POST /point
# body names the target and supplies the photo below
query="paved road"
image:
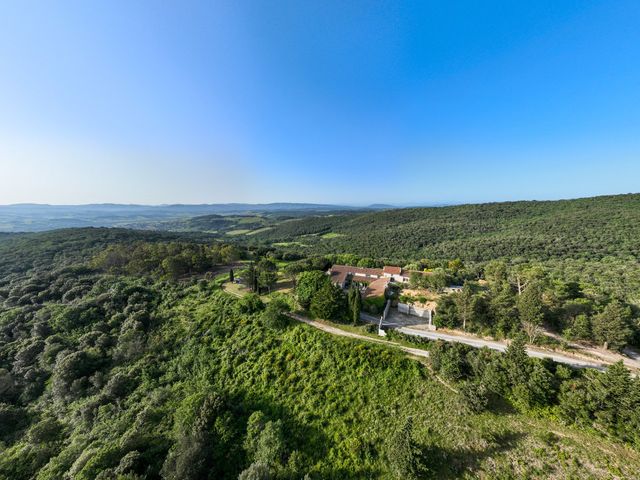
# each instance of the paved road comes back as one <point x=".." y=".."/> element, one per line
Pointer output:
<point x="405" y="323"/>
<point x="478" y="343"/>
<point x="501" y="347"/>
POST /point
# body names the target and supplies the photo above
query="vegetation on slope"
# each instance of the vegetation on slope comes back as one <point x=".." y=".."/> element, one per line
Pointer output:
<point x="591" y="239"/>
<point x="591" y="228"/>
<point x="124" y="375"/>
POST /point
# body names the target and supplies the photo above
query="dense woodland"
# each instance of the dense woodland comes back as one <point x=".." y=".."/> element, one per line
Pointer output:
<point x="591" y="228"/>
<point x="122" y="358"/>
<point x="592" y="240"/>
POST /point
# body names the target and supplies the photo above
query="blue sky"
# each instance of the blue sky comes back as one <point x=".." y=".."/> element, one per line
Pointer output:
<point x="330" y="101"/>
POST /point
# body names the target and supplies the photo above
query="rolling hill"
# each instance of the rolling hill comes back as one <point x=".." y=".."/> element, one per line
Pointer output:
<point x="591" y="228"/>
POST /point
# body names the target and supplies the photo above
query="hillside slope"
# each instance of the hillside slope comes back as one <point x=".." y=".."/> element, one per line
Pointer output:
<point x="132" y="377"/>
<point x="591" y="227"/>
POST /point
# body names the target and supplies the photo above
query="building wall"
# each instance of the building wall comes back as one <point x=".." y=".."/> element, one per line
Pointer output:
<point x="415" y="311"/>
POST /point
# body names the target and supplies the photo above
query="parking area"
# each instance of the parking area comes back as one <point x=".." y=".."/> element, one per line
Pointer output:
<point x="395" y="319"/>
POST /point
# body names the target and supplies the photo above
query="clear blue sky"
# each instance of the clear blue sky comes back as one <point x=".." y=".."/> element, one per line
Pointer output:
<point x="328" y="101"/>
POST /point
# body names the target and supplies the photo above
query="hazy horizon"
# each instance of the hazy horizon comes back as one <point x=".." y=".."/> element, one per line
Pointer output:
<point x="328" y="204"/>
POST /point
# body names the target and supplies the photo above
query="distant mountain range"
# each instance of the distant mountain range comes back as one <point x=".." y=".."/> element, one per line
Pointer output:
<point x="28" y="217"/>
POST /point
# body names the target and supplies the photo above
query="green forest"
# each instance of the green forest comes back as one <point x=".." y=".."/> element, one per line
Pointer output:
<point x="121" y="357"/>
<point x="591" y="240"/>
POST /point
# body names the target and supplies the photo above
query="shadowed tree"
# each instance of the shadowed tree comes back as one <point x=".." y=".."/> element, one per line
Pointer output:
<point x="405" y="455"/>
<point x="328" y="303"/>
<point x="611" y="327"/>
<point x="308" y="284"/>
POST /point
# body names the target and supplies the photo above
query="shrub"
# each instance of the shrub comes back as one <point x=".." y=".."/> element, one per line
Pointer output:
<point x="474" y="396"/>
<point x="249" y="304"/>
<point x="274" y="316"/>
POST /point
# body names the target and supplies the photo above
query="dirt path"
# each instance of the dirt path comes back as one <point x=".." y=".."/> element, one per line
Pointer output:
<point x="336" y="331"/>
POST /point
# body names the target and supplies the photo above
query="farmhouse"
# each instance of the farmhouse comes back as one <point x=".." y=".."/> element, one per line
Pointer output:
<point x="343" y="275"/>
<point x="375" y="279"/>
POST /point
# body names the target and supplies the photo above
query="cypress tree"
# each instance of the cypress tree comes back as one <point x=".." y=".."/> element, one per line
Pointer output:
<point x="357" y="306"/>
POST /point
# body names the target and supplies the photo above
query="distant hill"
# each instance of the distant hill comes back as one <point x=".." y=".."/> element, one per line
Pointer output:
<point x="36" y="217"/>
<point x="583" y="228"/>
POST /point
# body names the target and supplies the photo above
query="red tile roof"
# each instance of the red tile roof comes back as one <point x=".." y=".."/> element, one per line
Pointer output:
<point x="357" y="270"/>
<point x="338" y="277"/>
<point x="377" y="288"/>
<point x="339" y="273"/>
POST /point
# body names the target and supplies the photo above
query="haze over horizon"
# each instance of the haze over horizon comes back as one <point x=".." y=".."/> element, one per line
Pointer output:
<point x="399" y="103"/>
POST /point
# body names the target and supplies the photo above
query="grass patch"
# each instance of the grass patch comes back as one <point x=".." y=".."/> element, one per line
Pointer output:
<point x="333" y="235"/>
<point x="259" y="230"/>
<point x="244" y="220"/>
<point x="238" y="232"/>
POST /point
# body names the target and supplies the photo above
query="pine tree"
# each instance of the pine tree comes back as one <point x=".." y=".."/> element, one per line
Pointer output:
<point x="517" y="361"/>
<point x="611" y="327"/>
<point x="530" y="311"/>
<point x="466" y="304"/>
<point x="610" y="392"/>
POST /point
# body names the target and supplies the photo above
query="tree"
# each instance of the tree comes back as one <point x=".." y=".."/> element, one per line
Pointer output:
<point x="292" y="270"/>
<point x="264" y="442"/>
<point x="328" y="302"/>
<point x="256" y="471"/>
<point x="455" y="266"/>
<point x="502" y="308"/>
<point x="250" y="277"/>
<point x="517" y="361"/>
<point x="405" y="456"/>
<point x="230" y="253"/>
<point x="495" y="273"/>
<point x="438" y="280"/>
<point x="355" y="304"/>
<point x="416" y="279"/>
<point x="175" y="266"/>
<point x="270" y="446"/>
<point x="475" y="396"/>
<point x="266" y="273"/>
<point x="446" y="313"/>
<point x="525" y="274"/>
<point x="274" y="314"/>
<point x="609" y="395"/>
<point x="611" y="327"/>
<point x="448" y="359"/>
<point x="540" y="386"/>
<point x="530" y="311"/>
<point x="308" y="284"/>
<point x="466" y="304"/>
<point x="366" y="263"/>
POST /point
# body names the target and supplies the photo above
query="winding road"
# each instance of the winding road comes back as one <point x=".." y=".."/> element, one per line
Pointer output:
<point x="447" y="337"/>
